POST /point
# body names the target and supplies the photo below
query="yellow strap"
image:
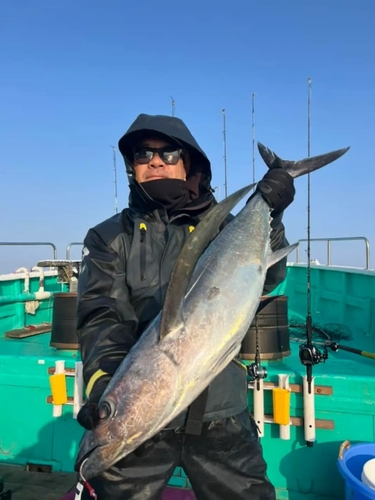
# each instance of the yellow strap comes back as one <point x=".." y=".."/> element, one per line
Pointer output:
<point x="191" y="229"/>
<point x="142" y="225"/>
<point x="92" y="381"/>
<point x="239" y="363"/>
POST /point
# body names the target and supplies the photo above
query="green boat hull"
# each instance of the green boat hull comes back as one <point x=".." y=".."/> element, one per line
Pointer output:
<point x="342" y="302"/>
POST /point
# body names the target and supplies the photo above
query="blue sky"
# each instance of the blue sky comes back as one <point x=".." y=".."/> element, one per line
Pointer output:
<point x="74" y="75"/>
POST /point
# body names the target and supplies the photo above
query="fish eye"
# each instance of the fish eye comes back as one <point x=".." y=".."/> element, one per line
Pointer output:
<point x="105" y="410"/>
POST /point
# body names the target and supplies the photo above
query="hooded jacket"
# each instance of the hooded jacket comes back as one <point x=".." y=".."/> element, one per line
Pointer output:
<point x="127" y="262"/>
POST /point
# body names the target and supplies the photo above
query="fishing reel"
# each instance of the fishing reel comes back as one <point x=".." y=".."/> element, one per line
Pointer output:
<point x="256" y="371"/>
<point x="310" y="355"/>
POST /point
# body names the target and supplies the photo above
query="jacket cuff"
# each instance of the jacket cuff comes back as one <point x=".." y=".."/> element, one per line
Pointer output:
<point x="97" y="375"/>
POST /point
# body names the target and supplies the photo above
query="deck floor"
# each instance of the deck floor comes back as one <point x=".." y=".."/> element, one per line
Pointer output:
<point x="27" y="485"/>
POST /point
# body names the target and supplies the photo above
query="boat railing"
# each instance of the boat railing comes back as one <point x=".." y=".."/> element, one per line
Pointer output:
<point x="67" y="251"/>
<point x="31" y="243"/>
<point x="329" y="240"/>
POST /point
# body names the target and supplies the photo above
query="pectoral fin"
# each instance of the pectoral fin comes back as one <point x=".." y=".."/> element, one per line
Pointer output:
<point x="280" y="254"/>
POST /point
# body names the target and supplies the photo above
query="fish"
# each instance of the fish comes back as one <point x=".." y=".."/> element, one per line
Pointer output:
<point x="214" y="292"/>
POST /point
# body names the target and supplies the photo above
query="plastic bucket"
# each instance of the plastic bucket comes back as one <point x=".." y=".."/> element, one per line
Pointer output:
<point x="350" y="465"/>
<point x="368" y="474"/>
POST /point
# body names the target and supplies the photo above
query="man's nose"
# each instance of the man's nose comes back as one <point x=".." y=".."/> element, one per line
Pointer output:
<point x="156" y="161"/>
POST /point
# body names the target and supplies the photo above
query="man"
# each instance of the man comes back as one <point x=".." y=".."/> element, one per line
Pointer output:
<point x="127" y="262"/>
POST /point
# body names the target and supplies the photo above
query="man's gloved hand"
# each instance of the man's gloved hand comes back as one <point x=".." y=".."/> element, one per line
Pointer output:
<point x="277" y="189"/>
<point x="88" y="415"/>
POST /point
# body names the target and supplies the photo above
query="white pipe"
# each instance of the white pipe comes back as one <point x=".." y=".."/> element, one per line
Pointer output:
<point x="259" y="406"/>
<point x="42" y="295"/>
<point x="284" y="384"/>
<point x="59" y="368"/>
<point x="309" y="409"/>
<point x="78" y="388"/>
<point x="27" y="277"/>
<point x="41" y="279"/>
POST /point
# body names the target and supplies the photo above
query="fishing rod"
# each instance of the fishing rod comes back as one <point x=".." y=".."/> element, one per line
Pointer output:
<point x="173" y="105"/>
<point x="115" y="177"/>
<point x="253" y="134"/>
<point x="335" y="347"/>
<point x="255" y="370"/>
<point x="309" y="354"/>
<point x="225" y="154"/>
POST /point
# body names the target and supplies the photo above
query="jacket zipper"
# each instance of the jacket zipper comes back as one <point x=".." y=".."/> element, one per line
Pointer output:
<point x="166" y="228"/>
<point x="142" y="230"/>
<point x="191" y="228"/>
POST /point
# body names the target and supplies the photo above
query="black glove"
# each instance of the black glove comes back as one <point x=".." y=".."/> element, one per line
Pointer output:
<point x="88" y="416"/>
<point x="277" y="189"/>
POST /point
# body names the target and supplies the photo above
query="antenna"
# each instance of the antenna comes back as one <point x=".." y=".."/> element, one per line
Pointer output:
<point x="253" y="135"/>
<point x="173" y="103"/>
<point x="225" y="155"/>
<point x="115" y="177"/>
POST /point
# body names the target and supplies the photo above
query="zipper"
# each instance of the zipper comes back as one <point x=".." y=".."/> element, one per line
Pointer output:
<point x="142" y="253"/>
<point x="191" y="229"/>
<point x="161" y="260"/>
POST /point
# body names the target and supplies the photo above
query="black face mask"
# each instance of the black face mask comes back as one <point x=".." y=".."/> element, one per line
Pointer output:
<point x="172" y="193"/>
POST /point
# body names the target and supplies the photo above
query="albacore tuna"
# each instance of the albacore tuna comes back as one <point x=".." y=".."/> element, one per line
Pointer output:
<point x="212" y="298"/>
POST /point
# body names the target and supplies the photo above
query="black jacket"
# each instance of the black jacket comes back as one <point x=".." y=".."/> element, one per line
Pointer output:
<point x="126" y="266"/>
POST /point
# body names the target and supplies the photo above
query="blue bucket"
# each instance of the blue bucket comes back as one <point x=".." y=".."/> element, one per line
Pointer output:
<point x="350" y="464"/>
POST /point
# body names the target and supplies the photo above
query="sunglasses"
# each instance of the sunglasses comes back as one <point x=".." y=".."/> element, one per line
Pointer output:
<point x="168" y="155"/>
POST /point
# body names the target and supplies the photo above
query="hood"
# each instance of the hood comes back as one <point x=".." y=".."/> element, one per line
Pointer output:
<point x="200" y="175"/>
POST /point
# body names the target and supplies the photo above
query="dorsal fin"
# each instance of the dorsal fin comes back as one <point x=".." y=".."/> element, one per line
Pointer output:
<point x="189" y="256"/>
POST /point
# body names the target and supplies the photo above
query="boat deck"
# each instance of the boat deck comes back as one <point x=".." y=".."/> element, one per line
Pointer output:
<point x="27" y="485"/>
<point x="350" y="377"/>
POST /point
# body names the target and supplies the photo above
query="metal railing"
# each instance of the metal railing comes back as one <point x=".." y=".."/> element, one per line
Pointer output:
<point x="329" y="240"/>
<point x="67" y="251"/>
<point x="31" y="243"/>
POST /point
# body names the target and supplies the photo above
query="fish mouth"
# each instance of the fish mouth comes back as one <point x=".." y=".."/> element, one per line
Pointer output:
<point x="82" y="459"/>
<point x="99" y="458"/>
